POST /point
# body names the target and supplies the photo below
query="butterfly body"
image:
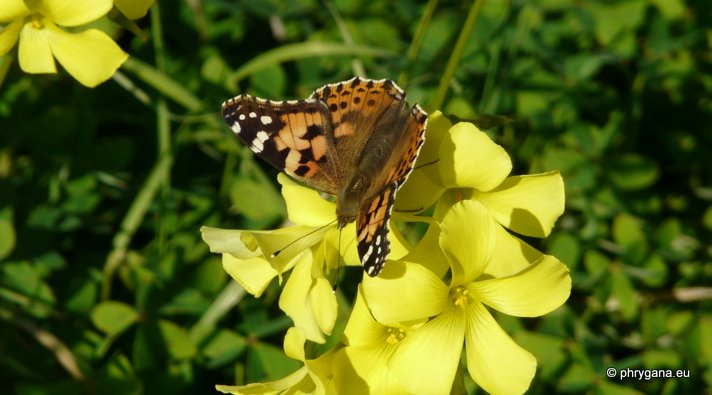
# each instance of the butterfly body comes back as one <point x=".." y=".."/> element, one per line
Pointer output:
<point x="356" y="139"/>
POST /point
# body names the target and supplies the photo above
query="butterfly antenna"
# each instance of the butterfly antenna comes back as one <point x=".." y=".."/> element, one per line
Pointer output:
<point x="426" y="164"/>
<point x="279" y="251"/>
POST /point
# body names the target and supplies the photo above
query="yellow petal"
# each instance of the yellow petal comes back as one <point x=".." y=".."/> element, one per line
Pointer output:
<point x="133" y="9"/>
<point x="426" y="361"/>
<point x="404" y="292"/>
<point x="91" y="57"/>
<point x="469" y="158"/>
<point x="304" y="205"/>
<point x="297" y="304"/>
<point x="323" y="302"/>
<point x="467" y="236"/>
<point x="74" y="12"/>
<point x="494" y="360"/>
<point x="12" y="10"/>
<point x="321" y="374"/>
<point x="349" y="251"/>
<point x="362" y="329"/>
<point x="235" y="242"/>
<point x="294" y="341"/>
<point x="428" y="252"/>
<point x="528" y="205"/>
<point x="399" y="245"/>
<point x="359" y="370"/>
<point x="9" y="35"/>
<point x="511" y="254"/>
<point x="35" y="54"/>
<point x="254" y="274"/>
<point x="535" y="291"/>
<point x="438" y="129"/>
<point x="294" y="380"/>
<point x="418" y="193"/>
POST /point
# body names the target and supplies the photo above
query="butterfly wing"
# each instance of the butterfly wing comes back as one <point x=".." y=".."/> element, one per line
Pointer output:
<point x="372" y="230"/>
<point x="293" y="136"/>
<point x="356" y="108"/>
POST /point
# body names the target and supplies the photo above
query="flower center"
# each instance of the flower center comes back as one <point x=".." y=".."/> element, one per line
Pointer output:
<point x="36" y="21"/>
<point x="395" y="335"/>
<point x="460" y="296"/>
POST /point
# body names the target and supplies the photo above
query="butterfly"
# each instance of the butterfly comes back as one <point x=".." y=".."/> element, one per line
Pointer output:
<point x="357" y="140"/>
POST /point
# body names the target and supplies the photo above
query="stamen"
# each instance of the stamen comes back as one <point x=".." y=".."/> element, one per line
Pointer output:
<point x="460" y="296"/>
<point x="395" y="335"/>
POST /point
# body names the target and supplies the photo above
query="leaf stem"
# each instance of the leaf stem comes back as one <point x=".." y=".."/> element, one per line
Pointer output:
<point x="456" y="54"/>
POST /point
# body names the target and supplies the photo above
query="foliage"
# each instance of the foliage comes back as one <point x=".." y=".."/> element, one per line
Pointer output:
<point x="106" y="286"/>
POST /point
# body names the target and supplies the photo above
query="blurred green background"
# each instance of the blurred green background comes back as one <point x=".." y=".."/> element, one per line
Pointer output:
<point x="106" y="286"/>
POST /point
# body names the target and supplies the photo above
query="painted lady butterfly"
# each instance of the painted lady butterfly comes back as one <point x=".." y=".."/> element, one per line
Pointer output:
<point x="356" y="139"/>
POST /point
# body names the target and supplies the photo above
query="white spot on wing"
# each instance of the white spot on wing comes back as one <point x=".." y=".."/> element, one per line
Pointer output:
<point x="236" y="127"/>
<point x="266" y="120"/>
<point x="242" y="117"/>
<point x="258" y="143"/>
<point x="252" y="114"/>
<point x="367" y="254"/>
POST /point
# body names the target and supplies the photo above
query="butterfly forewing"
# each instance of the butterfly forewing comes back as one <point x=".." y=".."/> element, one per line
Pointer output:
<point x="292" y="136"/>
<point x="356" y="108"/>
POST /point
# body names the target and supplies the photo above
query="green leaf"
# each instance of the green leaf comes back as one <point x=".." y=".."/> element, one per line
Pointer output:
<point x="269" y="82"/>
<point x="623" y="295"/>
<point x="566" y="248"/>
<point x="628" y="233"/>
<point x="113" y="317"/>
<point x="576" y="378"/>
<point x="707" y="218"/>
<point x="223" y="346"/>
<point x="7" y="232"/>
<point x="616" y="19"/>
<point x="661" y="359"/>
<point x="177" y="340"/>
<point x="26" y="288"/>
<point x="631" y="172"/>
<point x="705" y="331"/>
<point x="298" y="51"/>
<point x="548" y="350"/>
<point x="263" y="211"/>
<point x="596" y="263"/>
<point x="271" y="362"/>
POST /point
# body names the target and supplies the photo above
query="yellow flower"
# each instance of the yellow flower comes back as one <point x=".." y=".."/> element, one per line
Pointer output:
<point x="362" y="366"/>
<point x="90" y="56"/>
<point x="312" y="378"/>
<point x="427" y="359"/>
<point x="460" y="162"/>
<point x="133" y="9"/>
<point x="247" y="257"/>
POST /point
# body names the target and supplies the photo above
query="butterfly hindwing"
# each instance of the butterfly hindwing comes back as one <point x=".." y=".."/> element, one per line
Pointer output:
<point x="293" y="136"/>
<point x="372" y="229"/>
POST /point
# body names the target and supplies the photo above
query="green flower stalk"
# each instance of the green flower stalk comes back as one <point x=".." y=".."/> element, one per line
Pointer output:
<point x="407" y="292"/>
<point x="90" y="56"/>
